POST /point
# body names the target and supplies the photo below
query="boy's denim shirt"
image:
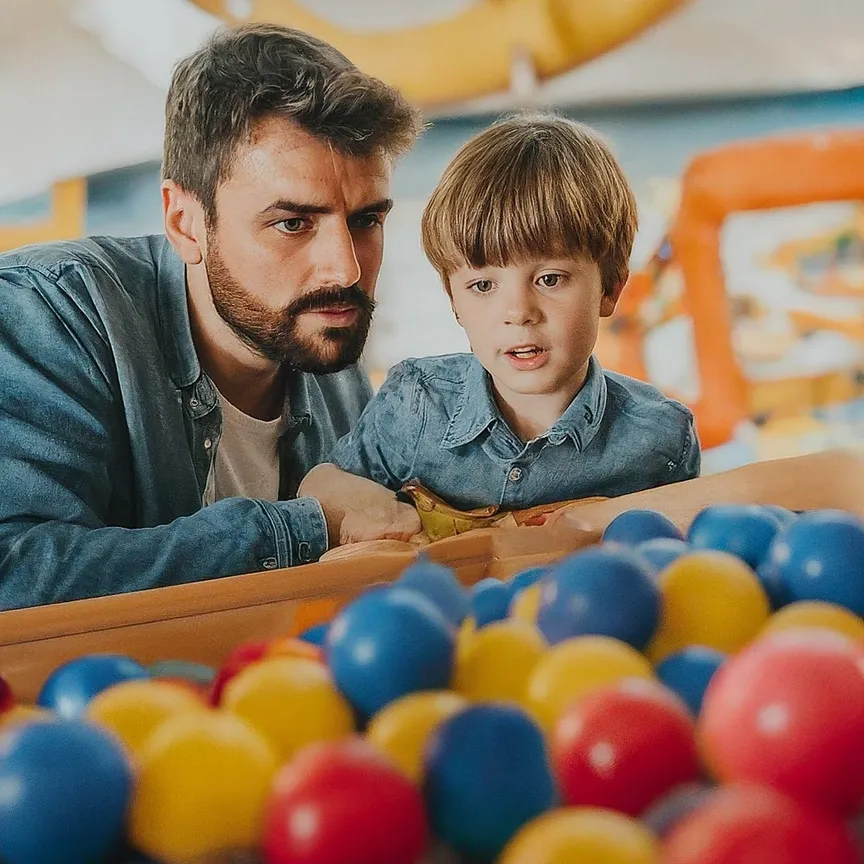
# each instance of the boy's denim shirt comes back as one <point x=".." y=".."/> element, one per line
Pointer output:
<point x="435" y="421"/>
<point x="107" y="423"/>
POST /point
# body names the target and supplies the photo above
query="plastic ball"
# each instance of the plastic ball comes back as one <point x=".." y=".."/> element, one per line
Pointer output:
<point x="202" y="785"/>
<point x="315" y="635"/>
<point x="70" y="687"/>
<point x="818" y="557"/>
<point x="743" y="530"/>
<point x="788" y="712"/>
<point x="291" y="701"/>
<point x="633" y="527"/>
<point x="772" y="583"/>
<point x="196" y="675"/>
<point x="711" y="599"/>
<point x="816" y="614"/>
<point x="439" y="585"/>
<point x="783" y="515"/>
<point x="490" y="601"/>
<point x="498" y="663"/>
<point x="487" y="775"/>
<point x="7" y="699"/>
<point x="133" y="710"/>
<point x="600" y="591"/>
<point x="624" y="748"/>
<point x="583" y="834"/>
<point x="662" y="816"/>
<point x="344" y="802"/>
<point x="64" y="789"/>
<point x="23" y="714"/>
<point x="571" y="670"/>
<point x="757" y="825"/>
<point x="388" y="643"/>
<point x="526" y="578"/>
<point x="402" y="729"/>
<point x="660" y="553"/>
<point x="526" y="604"/>
<point x="689" y="672"/>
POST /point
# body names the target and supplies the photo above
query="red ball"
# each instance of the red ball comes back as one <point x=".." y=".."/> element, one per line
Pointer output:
<point x="344" y="803"/>
<point x="788" y="712"/>
<point x="624" y="747"/>
<point x="7" y="699"/>
<point x="753" y="825"/>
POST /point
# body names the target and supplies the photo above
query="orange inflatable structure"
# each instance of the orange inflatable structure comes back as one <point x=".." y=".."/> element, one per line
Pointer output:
<point x="758" y="175"/>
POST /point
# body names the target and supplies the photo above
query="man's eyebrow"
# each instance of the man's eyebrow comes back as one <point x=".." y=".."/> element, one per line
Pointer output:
<point x="286" y="205"/>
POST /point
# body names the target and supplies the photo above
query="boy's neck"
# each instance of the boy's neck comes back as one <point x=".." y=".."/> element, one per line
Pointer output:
<point x="529" y="415"/>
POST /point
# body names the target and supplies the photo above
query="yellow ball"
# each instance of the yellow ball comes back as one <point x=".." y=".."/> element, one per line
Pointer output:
<point x="526" y="604"/>
<point x="576" y="667"/>
<point x="499" y="661"/>
<point x="464" y="636"/>
<point x="709" y="598"/>
<point x="291" y="701"/>
<point x="814" y="613"/>
<point x="579" y="834"/>
<point x="133" y="710"/>
<point x="203" y="781"/>
<point x="402" y="729"/>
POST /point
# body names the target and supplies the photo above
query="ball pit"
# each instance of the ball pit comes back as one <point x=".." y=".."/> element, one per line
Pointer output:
<point x="660" y="698"/>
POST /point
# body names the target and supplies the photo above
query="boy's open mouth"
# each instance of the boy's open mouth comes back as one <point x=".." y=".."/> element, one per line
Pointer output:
<point x="524" y="352"/>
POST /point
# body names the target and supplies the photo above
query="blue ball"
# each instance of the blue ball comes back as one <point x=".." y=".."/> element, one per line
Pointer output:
<point x="64" y="789"/>
<point x="603" y="591"/>
<point x="782" y="514"/>
<point x="744" y="530"/>
<point x="662" y="551"/>
<point x="820" y="556"/>
<point x="689" y="672"/>
<point x="70" y="687"/>
<point x="772" y="581"/>
<point x="487" y="773"/>
<point x="636" y="526"/>
<point x="315" y="635"/>
<point x="386" y="644"/>
<point x="440" y="585"/>
<point x="490" y="601"/>
<point x="526" y="579"/>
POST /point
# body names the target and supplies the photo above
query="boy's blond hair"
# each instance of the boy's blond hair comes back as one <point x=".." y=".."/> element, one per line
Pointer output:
<point x="532" y="186"/>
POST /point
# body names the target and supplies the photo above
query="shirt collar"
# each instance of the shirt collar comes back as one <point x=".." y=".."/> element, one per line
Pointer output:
<point x="476" y="410"/>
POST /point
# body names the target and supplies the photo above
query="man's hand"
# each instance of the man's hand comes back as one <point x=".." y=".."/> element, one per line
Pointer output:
<point x="357" y="509"/>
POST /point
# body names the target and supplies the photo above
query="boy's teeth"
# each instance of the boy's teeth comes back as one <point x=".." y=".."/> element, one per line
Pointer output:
<point x="526" y="352"/>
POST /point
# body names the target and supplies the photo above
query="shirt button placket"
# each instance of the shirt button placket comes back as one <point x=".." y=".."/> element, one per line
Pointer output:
<point x="515" y="474"/>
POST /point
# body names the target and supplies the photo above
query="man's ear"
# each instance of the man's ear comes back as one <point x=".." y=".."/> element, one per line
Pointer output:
<point x="609" y="301"/>
<point x="185" y="225"/>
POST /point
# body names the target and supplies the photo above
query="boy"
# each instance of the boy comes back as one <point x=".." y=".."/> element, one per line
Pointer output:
<point x="530" y="229"/>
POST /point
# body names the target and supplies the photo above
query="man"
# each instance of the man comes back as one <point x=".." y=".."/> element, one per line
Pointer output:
<point x="162" y="397"/>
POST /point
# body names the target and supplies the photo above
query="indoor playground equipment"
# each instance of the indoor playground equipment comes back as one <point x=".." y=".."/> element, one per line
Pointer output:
<point x="738" y="333"/>
<point x="471" y="53"/>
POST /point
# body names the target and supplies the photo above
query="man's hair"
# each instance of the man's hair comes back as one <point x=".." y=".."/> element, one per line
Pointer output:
<point x="532" y="186"/>
<point x="245" y="74"/>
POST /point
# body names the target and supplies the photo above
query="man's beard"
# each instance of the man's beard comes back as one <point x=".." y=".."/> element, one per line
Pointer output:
<point x="275" y="334"/>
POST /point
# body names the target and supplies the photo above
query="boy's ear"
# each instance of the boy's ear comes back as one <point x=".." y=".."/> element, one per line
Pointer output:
<point x="609" y="301"/>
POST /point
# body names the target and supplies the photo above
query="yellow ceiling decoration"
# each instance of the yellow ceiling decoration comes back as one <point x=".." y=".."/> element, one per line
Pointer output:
<point x="66" y="220"/>
<point x="471" y="54"/>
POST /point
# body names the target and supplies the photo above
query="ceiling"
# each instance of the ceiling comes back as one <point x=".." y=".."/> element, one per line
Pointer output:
<point x="82" y="82"/>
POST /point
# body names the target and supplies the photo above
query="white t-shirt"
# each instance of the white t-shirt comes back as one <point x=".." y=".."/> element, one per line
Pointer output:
<point x="247" y="458"/>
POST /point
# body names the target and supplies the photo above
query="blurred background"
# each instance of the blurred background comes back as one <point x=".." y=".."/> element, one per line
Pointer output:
<point x="738" y="122"/>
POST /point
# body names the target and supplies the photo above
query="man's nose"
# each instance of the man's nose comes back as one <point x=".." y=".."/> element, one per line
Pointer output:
<point x="337" y="263"/>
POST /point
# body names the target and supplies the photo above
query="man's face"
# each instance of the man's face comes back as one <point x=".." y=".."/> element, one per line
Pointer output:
<point x="293" y="257"/>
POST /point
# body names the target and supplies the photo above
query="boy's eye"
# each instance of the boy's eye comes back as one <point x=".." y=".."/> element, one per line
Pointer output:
<point x="550" y="280"/>
<point x="482" y="286"/>
<point x="291" y="226"/>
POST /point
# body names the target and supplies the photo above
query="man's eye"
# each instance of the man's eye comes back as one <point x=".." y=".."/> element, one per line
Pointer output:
<point x="290" y="226"/>
<point x="370" y="220"/>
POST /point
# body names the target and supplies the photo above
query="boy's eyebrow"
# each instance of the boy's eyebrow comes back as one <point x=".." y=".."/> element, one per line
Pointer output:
<point x="286" y="205"/>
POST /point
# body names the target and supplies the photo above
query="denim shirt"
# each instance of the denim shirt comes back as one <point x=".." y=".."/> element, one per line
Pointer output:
<point x="435" y="421"/>
<point x="109" y="428"/>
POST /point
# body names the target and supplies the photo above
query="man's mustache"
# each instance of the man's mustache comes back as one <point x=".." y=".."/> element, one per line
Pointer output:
<point x="325" y="298"/>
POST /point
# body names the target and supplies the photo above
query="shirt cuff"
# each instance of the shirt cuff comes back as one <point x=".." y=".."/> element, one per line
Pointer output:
<point x="300" y="530"/>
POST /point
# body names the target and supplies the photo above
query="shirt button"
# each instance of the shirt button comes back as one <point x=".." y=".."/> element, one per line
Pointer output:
<point x="207" y="443"/>
<point x="269" y="563"/>
<point x="194" y="402"/>
<point x="515" y="475"/>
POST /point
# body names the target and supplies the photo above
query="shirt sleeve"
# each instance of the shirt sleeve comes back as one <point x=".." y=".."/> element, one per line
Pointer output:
<point x="62" y="433"/>
<point x="383" y="445"/>
<point x="690" y="461"/>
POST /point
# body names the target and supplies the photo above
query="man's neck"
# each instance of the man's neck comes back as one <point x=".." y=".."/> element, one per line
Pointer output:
<point x="251" y="383"/>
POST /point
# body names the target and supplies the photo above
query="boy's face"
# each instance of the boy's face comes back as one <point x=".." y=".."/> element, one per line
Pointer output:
<point x="533" y="325"/>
